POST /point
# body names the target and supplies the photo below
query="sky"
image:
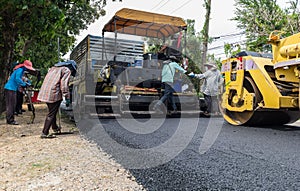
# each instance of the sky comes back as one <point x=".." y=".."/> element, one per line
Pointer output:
<point x="222" y="11"/>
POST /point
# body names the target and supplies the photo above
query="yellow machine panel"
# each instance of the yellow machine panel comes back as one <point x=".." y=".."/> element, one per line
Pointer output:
<point x="262" y="89"/>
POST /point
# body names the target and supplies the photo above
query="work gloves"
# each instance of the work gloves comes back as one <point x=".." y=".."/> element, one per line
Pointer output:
<point x="27" y="85"/>
<point x="192" y="75"/>
<point x="68" y="101"/>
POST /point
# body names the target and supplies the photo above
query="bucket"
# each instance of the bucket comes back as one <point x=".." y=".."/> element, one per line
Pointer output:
<point x="138" y="62"/>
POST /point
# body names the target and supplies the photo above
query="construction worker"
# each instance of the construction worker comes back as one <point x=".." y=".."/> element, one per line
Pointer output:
<point x="168" y="72"/>
<point x="11" y="88"/>
<point x="54" y="88"/>
<point x="20" y="95"/>
<point x="210" y="87"/>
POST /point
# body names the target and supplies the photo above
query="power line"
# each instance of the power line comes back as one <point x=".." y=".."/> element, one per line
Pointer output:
<point x="216" y="47"/>
<point x="222" y="46"/>
<point x="235" y="34"/>
<point x="229" y="35"/>
<point x="157" y="4"/>
<point x="188" y="1"/>
<point x="163" y="4"/>
<point x="220" y="54"/>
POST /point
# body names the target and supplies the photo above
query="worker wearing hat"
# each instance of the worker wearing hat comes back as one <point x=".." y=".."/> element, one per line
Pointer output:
<point x="54" y="88"/>
<point x="11" y="88"/>
<point x="210" y="87"/>
<point x="20" y="95"/>
<point x="168" y="72"/>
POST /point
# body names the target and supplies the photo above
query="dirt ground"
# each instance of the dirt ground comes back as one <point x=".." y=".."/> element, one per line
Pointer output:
<point x="68" y="162"/>
<point x="24" y="129"/>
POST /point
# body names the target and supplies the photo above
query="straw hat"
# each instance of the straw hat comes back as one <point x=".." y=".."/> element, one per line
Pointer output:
<point x="211" y="64"/>
<point x="174" y="59"/>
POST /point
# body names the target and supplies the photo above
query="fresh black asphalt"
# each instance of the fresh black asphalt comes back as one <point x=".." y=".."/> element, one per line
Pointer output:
<point x="163" y="155"/>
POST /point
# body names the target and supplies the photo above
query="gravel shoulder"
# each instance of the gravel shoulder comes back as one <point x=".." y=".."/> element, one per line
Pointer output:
<point x="68" y="162"/>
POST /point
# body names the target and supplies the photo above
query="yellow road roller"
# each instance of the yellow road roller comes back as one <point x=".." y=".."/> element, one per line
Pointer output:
<point x="263" y="89"/>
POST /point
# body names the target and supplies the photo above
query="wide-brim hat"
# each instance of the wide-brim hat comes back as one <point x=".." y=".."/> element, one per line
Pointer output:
<point x="174" y="58"/>
<point x="59" y="64"/>
<point x="211" y="64"/>
<point x="27" y="64"/>
<point x="71" y="64"/>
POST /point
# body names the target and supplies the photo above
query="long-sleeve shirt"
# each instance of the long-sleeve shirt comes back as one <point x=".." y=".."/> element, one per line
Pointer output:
<point x="212" y="81"/>
<point x="15" y="80"/>
<point x="55" y="85"/>
<point x="168" y="71"/>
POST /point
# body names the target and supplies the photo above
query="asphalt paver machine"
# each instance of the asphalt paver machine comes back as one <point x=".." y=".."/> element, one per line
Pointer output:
<point x="129" y="82"/>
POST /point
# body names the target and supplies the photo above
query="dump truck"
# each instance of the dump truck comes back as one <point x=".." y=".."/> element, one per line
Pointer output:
<point x="128" y="81"/>
<point x="263" y="89"/>
<point x="91" y="55"/>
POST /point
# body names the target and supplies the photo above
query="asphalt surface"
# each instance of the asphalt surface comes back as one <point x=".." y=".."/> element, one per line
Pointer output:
<point x="200" y="153"/>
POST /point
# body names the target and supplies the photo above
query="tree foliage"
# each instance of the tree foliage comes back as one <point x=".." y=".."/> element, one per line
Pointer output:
<point x="30" y="30"/>
<point x="293" y="17"/>
<point x="231" y="49"/>
<point x="260" y="17"/>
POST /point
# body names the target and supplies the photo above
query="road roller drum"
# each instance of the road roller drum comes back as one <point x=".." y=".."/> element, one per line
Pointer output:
<point x="260" y="89"/>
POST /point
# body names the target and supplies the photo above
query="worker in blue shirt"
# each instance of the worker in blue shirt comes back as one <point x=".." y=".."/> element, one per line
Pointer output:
<point x="168" y="72"/>
<point x="11" y="88"/>
<point x="20" y="95"/>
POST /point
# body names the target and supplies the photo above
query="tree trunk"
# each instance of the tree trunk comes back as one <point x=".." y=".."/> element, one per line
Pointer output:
<point x="5" y="68"/>
<point x="7" y="51"/>
<point x="205" y="31"/>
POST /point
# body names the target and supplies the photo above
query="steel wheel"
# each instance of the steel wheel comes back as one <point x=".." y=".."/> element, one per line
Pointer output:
<point x="242" y="118"/>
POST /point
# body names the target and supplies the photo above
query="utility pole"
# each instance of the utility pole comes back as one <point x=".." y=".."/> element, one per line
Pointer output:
<point x="205" y="30"/>
<point x="58" y="49"/>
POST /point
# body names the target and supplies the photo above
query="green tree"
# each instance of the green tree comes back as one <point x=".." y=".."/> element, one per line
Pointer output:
<point x="293" y="17"/>
<point x="30" y="30"/>
<point x="194" y="43"/>
<point x="231" y="49"/>
<point x="259" y="18"/>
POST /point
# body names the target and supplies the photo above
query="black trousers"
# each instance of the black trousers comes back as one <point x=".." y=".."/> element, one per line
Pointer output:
<point x="20" y="101"/>
<point x="11" y="100"/>
<point x="212" y="103"/>
<point x="168" y="94"/>
<point x="51" y="117"/>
